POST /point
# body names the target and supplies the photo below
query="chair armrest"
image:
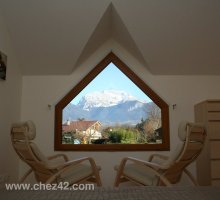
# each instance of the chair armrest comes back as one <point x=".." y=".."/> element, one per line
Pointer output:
<point x="68" y="163"/>
<point x="142" y="162"/>
<point x="163" y="157"/>
<point x="57" y="156"/>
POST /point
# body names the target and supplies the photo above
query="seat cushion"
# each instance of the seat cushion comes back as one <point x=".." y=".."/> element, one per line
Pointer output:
<point x="140" y="173"/>
<point x="76" y="173"/>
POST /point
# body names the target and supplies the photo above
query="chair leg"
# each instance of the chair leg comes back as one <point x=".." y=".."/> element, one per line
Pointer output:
<point x="117" y="181"/>
<point x="96" y="172"/>
<point x="98" y="180"/>
<point x="118" y="178"/>
<point x="191" y="177"/>
<point x="22" y="179"/>
<point x="119" y="172"/>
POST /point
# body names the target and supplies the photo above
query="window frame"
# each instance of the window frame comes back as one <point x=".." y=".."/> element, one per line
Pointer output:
<point x="111" y="58"/>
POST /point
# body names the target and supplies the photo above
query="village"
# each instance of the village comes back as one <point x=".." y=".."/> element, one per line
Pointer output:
<point x="93" y="132"/>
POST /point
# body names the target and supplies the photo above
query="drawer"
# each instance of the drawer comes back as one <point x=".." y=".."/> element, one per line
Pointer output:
<point x="213" y="106"/>
<point x="215" y="150"/>
<point x="213" y="116"/>
<point x="215" y="168"/>
<point x="214" y="130"/>
<point x="216" y="183"/>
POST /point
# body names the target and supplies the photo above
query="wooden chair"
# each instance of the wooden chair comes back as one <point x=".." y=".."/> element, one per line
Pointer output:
<point x="163" y="170"/>
<point x="53" y="169"/>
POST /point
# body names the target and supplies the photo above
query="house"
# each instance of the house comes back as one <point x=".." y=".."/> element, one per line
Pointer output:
<point x="84" y="128"/>
<point x="173" y="46"/>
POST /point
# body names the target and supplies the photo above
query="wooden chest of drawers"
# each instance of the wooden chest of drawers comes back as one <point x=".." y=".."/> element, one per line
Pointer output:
<point x="208" y="163"/>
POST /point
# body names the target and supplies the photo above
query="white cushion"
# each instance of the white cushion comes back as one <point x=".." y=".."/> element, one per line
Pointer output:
<point x="24" y="129"/>
<point x="140" y="173"/>
<point x="31" y="133"/>
<point x="182" y="130"/>
<point x="76" y="173"/>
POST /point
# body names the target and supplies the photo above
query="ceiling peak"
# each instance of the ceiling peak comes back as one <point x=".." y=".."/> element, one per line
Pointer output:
<point x="110" y="27"/>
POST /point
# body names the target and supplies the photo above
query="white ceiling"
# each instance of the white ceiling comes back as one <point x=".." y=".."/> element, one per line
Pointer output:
<point x="167" y="37"/>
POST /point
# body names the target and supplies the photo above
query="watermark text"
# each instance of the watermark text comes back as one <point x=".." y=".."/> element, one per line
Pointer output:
<point x="52" y="186"/>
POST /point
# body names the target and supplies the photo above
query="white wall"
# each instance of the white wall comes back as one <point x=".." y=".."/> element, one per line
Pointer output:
<point x="184" y="91"/>
<point x="10" y="103"/>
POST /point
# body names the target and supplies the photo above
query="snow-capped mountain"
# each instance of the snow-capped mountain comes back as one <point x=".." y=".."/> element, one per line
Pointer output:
<point x="104" y="98"/>
<point x="108" y="107"/>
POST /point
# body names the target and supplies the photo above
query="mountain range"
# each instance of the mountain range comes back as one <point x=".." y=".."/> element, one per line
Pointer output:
<point x="108" y="107"/>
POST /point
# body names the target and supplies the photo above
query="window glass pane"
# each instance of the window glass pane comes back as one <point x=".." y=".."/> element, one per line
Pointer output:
<point x="111" y="109"/>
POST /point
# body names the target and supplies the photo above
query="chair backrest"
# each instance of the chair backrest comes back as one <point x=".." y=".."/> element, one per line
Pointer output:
<point x="22" y="135"/>
<point x="192" y="136"/>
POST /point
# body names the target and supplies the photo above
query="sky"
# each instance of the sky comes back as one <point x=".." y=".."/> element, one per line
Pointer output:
<point x="111" y="78"/>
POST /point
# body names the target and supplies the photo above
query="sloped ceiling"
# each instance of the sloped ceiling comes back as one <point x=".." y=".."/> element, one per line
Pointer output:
<point x="167" y="37"/>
